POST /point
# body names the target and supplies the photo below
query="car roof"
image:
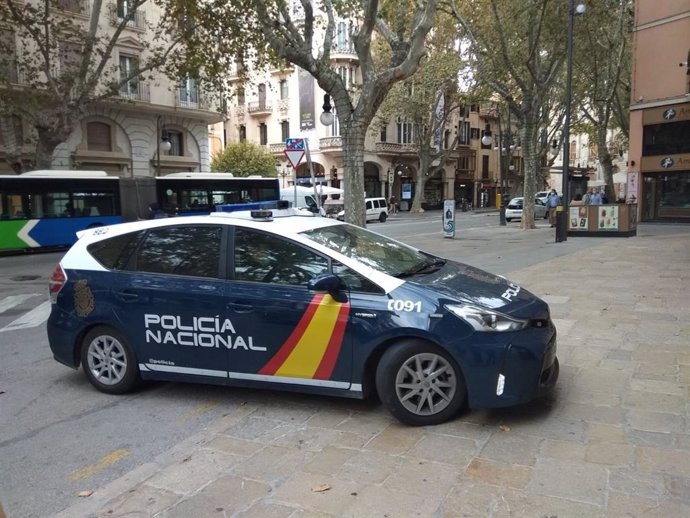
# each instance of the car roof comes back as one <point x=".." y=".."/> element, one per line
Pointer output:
<point x="286" y="222"/>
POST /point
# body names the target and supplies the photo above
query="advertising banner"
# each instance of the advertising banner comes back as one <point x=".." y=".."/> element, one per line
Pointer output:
<point x="449" y="218"/>
<point x="578" y="218"/>
<point x="306" y="100"/>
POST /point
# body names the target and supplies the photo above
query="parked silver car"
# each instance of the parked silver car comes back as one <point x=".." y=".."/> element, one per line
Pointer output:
<point x="514" y="209"/>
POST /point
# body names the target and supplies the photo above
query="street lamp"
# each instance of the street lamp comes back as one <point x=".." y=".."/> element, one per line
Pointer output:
<point x="562" y="222"/>
<point x="327" y="117"/>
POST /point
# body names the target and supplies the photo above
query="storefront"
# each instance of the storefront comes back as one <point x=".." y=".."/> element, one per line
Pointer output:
<point x="664" y="190"/>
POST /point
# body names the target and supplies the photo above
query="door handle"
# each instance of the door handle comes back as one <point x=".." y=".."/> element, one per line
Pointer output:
<point x="127" y="296"/>
<point x="240" y="308"/>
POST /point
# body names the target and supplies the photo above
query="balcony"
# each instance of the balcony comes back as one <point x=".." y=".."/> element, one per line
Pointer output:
<point x="331" y="144"/>
<point x="344" y="51"/>
<point x="259" y="108"/>
<point x="138" y="21"/>
<point x="135" y="91"/>
<point x="190" y="99"/>
<point x="79" y="7"/>
<point x="277" y="148"/>
<point x="395" y="149"/>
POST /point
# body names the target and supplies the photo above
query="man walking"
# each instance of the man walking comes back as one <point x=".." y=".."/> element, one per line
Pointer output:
<point x="552" y="202"/>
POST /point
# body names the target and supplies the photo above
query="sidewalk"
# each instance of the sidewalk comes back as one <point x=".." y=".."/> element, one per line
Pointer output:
<point x="613" y="440"/>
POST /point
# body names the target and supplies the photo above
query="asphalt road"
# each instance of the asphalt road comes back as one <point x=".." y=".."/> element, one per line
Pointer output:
<point x="59" y="436"/>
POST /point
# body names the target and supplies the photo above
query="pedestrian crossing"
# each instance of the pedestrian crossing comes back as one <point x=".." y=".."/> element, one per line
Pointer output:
<point x="23" y="311"/>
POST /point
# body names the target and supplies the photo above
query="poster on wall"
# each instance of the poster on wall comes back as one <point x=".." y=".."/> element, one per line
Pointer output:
<point x="578" y="218"/>
<point x="631" y="187"/>
<point x="608" y="217"/>
<point x="306" y="100"/>
<point x="407" y="191"/>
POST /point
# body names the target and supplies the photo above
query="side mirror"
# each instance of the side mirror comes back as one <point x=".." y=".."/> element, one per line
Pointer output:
<point x="329" y="283"/>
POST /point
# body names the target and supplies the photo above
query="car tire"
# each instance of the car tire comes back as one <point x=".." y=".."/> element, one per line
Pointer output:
<point x="108" y="361"/>
<point x="509" y="220"/>
<point x="405" y="376"/>
<point x="382" y="217"/>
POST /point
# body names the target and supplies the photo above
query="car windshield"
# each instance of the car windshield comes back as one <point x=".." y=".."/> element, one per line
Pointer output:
<point x="374" y="250"/>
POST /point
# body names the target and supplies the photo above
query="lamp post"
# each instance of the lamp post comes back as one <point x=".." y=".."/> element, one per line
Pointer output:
<point x="162" y="143"/>
<point x="573" y="10"/>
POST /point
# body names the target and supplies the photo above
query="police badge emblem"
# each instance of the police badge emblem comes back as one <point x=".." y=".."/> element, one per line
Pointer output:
<point x="83" y="299"/>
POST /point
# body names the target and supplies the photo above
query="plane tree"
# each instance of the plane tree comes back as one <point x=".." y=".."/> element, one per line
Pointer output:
<point x="304" y="33"/>
<point x="57" y="60"/>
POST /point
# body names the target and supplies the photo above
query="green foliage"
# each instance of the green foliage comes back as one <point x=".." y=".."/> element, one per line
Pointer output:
<point x="244" y="159"/>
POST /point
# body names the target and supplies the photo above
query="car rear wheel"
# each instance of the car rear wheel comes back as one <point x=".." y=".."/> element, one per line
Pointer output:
<point x="419" y="383"/>
<point x="509" y="220"/>
<point x="382" y="217"/>
<point x="108" y="361"/>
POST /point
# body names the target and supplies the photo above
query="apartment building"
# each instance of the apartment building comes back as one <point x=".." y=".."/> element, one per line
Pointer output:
<point x="659" y="160"/>
<point x="271" y="106"/>
<point x="151" y="126"/>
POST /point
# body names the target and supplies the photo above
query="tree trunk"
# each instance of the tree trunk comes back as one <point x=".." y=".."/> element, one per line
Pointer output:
<point x="420" y="179"/>
<point x="353" y="148"/>
<point x="45" y="147"/>
<point x="532" y="162"/>
<point x="606" y="162"/>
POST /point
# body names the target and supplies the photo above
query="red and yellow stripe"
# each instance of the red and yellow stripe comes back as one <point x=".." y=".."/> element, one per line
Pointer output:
<point x="312" y="349"/>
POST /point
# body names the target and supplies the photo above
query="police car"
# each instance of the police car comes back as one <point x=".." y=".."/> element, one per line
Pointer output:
<point x="287" y="299"/>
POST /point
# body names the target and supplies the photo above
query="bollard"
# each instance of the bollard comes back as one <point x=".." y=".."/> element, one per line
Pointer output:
<point x="561" y="225"/>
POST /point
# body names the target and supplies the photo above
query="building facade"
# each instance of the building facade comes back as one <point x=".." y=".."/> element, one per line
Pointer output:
<point x="149" y="127"/>
<point x="659" y="160"/>
<point x="269" y="107"/>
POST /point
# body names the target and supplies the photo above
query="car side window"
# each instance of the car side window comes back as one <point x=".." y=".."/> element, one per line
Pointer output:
<point x="114" y="252"/>
<point x="185" y="250"/>
<point x="353" y="280"/>
<point x="368" y="204"/>
<point x="261" y="257"/>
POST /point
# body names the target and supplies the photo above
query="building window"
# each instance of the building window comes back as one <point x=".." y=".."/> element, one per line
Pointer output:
<point x="474" y="133"/>
<point x="8" y="56"/>
<point x="485" y="167"/>
<point x="666" y="139"/>
<point x="284" y="89"/>
<point x="341" y="35"/>
<point x="405" y="132"/>
<point x="243" y="133"/>
<point x="263" y="134"/>
<point x="262" y="95"/>
<point x="464" y="133"/>
<point x="446" y="139"/>
<point x="474" y="107"/>
<point x="70" y="57"/>
<point x="188" y="92"/>
<point x="129" y="66"/>
<point x="124" y="8"/>
<point x="240" y="96"/>
<point x="464" y="163"/>
<point x="285" y="130"/>
<point x="98" y="137"/>
<point x="384" y="133"/>
<point x="175" y="139"/>
<point x="573" y="150"/>
<point x="74" y="6"/>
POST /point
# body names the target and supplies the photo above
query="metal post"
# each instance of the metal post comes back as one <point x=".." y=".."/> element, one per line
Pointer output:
<point x="311" y="173"/>
<point x="158" y="145"/>
<point x="562" y="233"/>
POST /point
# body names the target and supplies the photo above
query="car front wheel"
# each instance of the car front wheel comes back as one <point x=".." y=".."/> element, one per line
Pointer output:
<point x="382" y="217"/>
<point x="108" y="361"/>
<point x="420" y="384"/>
<point x="509" y="220"/>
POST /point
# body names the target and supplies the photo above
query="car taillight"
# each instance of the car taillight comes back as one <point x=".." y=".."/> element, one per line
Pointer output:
<point x="57" y="281"/>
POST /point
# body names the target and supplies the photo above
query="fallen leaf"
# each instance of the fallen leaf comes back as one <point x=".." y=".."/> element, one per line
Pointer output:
<point x="320" y="488"/>
<point x="504" y="428"/>
<point x="84" y="494"/>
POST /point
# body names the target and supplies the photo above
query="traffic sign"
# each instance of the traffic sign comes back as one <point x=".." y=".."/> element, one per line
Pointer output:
<point x="294" y="156"/>
<point x="294" y="144"/>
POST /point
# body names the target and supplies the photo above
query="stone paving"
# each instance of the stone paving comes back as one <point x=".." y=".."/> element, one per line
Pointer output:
<point x="612" y="440"/>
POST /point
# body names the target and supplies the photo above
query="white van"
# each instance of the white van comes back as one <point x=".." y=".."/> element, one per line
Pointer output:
<point x="303" y="197"/>
<point x="377" y="209"/>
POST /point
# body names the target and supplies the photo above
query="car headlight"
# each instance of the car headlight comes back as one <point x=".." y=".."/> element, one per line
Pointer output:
<point x="484" y="319"/>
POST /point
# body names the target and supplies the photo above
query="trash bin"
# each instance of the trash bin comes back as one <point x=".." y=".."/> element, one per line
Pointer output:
<point x="561" y="225"/>
<point x="404" y="205"/>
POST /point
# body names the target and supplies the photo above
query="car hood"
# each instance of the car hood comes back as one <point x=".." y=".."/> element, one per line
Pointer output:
<point x="467" y="284"/>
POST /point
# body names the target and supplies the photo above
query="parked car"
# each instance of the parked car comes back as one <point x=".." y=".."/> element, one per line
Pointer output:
<point x="514" y="209"/>
<point x="542" y="195"/>
<point x="376" y="209"/>
<point x="284" y="299"/>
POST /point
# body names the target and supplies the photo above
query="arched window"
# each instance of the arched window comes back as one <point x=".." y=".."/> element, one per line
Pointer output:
<point x="98" y="137"/>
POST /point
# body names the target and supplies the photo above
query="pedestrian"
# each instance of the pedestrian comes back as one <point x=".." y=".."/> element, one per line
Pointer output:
<point x="604" y="198"/>
<point x="392" y="209"/>
<point x="595" y="199"/>
<point x="552" y="202"/>
<point x="587" y="198"/>
<point x="577" y="200"/>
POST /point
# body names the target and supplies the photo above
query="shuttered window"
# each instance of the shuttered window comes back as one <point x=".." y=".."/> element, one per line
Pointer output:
<point x="98" y="136"/>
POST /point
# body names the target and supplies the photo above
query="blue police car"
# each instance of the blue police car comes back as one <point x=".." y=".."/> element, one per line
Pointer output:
<point x="286" y="299"/>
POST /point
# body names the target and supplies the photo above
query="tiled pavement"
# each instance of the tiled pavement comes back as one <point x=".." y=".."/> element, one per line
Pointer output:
<point x="612" y="440"/>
